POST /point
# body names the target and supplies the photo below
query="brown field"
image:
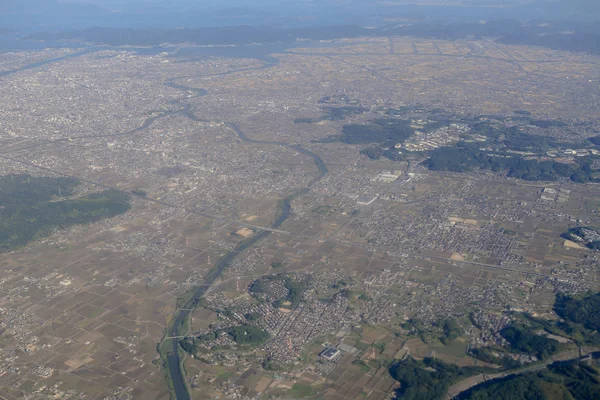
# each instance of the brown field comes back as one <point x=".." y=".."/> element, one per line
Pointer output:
<point x="99" y="331"/>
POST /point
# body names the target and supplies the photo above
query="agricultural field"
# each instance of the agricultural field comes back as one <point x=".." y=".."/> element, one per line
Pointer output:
<point x="228" y="221"/>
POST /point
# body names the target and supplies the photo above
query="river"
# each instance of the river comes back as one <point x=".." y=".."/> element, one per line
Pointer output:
<point x="178" y="326"/>
<point x="173" y="360"/>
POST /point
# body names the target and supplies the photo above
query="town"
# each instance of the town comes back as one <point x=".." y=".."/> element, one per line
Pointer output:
<point x="338" y="265"/>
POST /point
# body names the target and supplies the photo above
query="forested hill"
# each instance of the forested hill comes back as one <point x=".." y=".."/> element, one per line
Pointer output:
<point x="584" y="310"/>
<point x="562" y="380"/>
<point x="33" y="207"/>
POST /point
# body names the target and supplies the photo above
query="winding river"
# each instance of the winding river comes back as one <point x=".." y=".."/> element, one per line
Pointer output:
<point x="50" y="61"/>
<point x="178" y="325"/>
<point x="283" y="210"/>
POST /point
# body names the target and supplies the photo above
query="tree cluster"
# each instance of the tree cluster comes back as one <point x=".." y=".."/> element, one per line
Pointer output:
<point x="31" y="208"/>
<point x="521" y="339"/>
<point x="248" y="334"/>
<point x="386" y="132"/>
<point x="333" y="114"/>
<point x="584" y="311"/>
<point x="451" y="330"/>
<point x="295" y="288"/>
<point x="466" y="156"/>
<point x="428" y="379"/>
<point x="561" y="380"/>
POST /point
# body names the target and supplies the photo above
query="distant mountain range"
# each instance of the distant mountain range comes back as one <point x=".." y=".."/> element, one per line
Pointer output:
<point x="571" y="36"/>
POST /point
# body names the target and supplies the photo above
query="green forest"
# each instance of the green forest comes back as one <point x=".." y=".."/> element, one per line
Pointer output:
<point x="562" y="380"/>
<point x="245" y="335"/>
<point x="332" y="114"/>
<point x="502" y="142"/>
<point x="580" y="322"/>
<point x="33" y="207"/>
<point x="248" y="334"/>
<point x="428" y="379"/>
<point x="514" y="138"/>
<point x="583" y="310"/>
<point x="466" y="156"/>
<point x="384" y="131"/>
<point x="451" y="330"/>
<point x="296" y="289"/>
<point x="523" y="340"/>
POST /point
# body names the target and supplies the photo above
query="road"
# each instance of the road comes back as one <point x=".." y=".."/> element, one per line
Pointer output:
<point x="455" y="390"/>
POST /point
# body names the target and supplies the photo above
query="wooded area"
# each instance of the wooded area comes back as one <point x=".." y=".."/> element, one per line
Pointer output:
<point x="32" y="207"/>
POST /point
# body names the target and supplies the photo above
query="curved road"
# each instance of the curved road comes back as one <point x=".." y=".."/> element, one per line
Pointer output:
<point x="459" y="389"/>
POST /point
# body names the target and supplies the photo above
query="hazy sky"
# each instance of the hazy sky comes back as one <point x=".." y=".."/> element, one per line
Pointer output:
<point x="75" y="14"/>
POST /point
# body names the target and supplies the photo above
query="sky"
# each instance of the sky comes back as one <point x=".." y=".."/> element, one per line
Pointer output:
<point x="36" y="15"/>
